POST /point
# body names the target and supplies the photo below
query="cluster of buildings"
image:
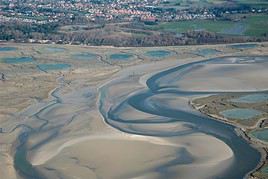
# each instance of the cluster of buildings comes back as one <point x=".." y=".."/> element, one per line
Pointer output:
<point x="25" y="20"/>
<point x="46" y="11"/>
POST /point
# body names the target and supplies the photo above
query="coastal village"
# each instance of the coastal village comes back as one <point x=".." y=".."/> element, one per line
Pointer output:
<point x="42" y="12"/>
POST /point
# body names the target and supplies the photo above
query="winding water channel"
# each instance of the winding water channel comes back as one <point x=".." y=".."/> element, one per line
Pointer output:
<point x="150" y="101"/>
<point x="246" y="158"/>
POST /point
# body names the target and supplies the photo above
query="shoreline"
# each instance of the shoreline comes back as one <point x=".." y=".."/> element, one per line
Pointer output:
<point x="240" y="131"/>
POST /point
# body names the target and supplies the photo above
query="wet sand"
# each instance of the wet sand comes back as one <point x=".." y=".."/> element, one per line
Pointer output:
<point x="146" y="155"/>
<point x="108" y="124"/>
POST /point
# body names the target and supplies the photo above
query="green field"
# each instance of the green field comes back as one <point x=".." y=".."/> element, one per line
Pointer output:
<point x="255" y="3"/>
<point x="188" y="4"/>
<point x="185" y="4"/>
<point x="184" y="26"/>
<point x="255" y="25"/>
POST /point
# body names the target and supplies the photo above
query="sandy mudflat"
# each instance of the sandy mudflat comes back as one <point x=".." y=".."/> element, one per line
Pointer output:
<point x="72" y="128"/>
<point x="109" y="153"/>
<point x="127" y="157"/>
<point x="236" y="77"/>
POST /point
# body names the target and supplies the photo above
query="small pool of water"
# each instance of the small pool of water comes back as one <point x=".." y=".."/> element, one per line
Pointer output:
<point x="84" y="56"/>
<point x="54" y="49"/>
<point x="265" y="170"/>
<point x="13" y="60"/>
<point x="261" y="135"/>
<point x="243" y="46"/>
<point x="207" y="51"/>
<point x="241" y="113"/>
<point x="252" y="98"/>
<point x="56" y="66"/>
<point x="158" y="53"/>
<point x="6" y="49"/>
<point x="120" y="56"/>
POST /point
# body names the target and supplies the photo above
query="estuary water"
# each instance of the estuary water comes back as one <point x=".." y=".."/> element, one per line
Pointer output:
<point x="156" y="102"/>
<point x="160" y="90"/>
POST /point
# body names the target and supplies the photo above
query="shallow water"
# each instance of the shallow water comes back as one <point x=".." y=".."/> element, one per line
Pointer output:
<point x="6" y="49"/>
<point x="13" y="60"/>
<point x="120" y="56"/>
<point x="84" y="56"/>
<point x="240" y="113"/>
<point x="208" y="51"/>
<point x="265" y="170"/>
<point x="56" y="66"/>
<point x="243" y="152"/>
<point x="252" y="98"/>
<point x="261" y="135"/>
<point x="243" y="46"/>
<point x="158" y="53"/>
<point x="161" y="84"/>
